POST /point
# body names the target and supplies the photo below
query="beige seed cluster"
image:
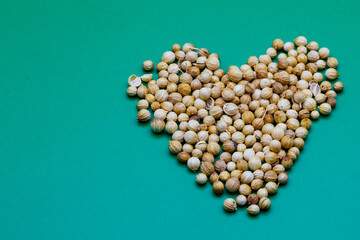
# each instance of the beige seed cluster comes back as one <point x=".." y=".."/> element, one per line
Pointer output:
<point x="244" y="128"/>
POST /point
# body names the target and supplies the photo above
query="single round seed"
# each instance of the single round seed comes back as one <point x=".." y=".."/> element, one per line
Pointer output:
<point x="230" y="205"/>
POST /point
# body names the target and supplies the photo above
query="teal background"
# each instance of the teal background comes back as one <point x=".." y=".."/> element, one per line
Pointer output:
<point x="74" y="162"/>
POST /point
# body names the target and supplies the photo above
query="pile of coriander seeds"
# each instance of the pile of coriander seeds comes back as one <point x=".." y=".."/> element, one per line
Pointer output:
<point x="241" y="130"/>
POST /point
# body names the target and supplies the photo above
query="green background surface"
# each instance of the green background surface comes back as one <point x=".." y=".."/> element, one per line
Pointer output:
<point x="74" y="162"/>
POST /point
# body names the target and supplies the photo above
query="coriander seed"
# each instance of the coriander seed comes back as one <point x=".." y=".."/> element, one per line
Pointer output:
<point x="332" y="62"/>
<point x="271" y="187"/>
<point x="207" y="168"/>
<point x="256" y="184"/>
<point x="143" y="115"/>
<point x="282" y="178"/>
<point x="321" y="64"/>
<point x="325" y="109"/>
<point x="324" y="53"/>
<point x="183" y="157"/>
<point x="218" y="187"/>
<point x="278" y="44"/>
<point x="254" y="163"/>
<point x="331" y="74"/>
<point x="271" y="52"/>
<point x="171" y="127"/>
<point x="168" y="57"/>
<point x="313" y="56"/>
<point x="193" y="164"/>
<point x="201" y="179"/>
<point x="230" y="205"/>
<point x="262" y="192"/>
<point x="142" y="91"/>
<point x="146" y="77"/>
<point x="188" y="47"/>
<point x="338" y="86"/>
<point x="331" y="101"/>
<point x="161" y="66"/>
<point x="131" y="91"/>
<point x="175" y="147"/>
<point x="313" y="46"/>
<point x="157" y="125"/>
<point x="252" y="199"/>
<point x="142" y="104"/>
<point x="214" y="177"/>
<point x="232" y="185"/>
<point x="241" y="200"/>
<point x="148" y="65"/>
<point x="224" y="176"/>
<point x="212" y="63"/>
<point x="176" y="47"/>
<point x="288" y="46"/>
<point x="247" y="177"/>
<point x="245" y="189"/>
<point x="235" y="173"/>
<point x="253" y="210"/>
<point x="264" y="203"/>
<point x="300" y="41"/>
<point x="270" y="176"/>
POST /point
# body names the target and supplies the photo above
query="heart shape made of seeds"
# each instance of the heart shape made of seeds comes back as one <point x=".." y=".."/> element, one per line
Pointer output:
<point x="254" y="118"/>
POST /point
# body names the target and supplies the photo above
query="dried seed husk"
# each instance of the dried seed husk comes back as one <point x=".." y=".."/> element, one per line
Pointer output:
<point x="134" y="81"/>
<point x="203" y="52"/>
<point x="146" y="77"/>
<point x="314" y="87"/>
<point x="230" y="109"/>
<point x="209" y="103"/>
